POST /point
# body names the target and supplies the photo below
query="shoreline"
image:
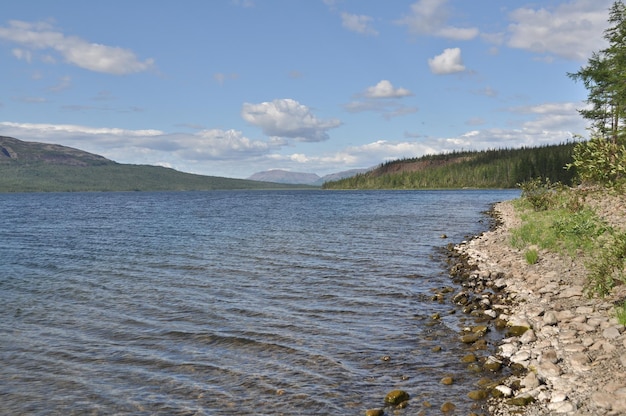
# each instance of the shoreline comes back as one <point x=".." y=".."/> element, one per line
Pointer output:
<point x="558" y="351"/>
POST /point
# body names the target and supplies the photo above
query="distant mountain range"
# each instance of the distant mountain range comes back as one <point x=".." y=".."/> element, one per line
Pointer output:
<point x="301" y="178"/>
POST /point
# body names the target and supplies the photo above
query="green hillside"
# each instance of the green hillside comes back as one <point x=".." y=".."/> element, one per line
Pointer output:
<point x="503" y="168"/>
<point x="40" y="167"/>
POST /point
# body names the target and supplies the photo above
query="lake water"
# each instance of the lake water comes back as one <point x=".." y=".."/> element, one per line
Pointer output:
<point x="230" y="303"/>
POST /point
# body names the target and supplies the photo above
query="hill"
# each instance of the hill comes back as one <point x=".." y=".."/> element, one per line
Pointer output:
<point x="41" y="167"/>
<point x="503" y="168"/>
<point x="285" y="176"/>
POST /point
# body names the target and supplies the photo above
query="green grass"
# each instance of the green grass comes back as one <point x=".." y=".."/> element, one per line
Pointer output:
<point x="620" y="313"/>
<point x="562" y="223"/>
<point x="532" y="256"/>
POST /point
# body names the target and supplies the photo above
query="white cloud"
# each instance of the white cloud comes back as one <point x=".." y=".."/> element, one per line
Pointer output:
<point x="288" y="118"/>
<point x="76" y="51"/>
<point x="448" y="62"/>
<point x="358" y="23"/>
<point x="572" y="30"/>
<point x="143" y="146"/>
<point x="384" y="89"/>
<point x="22" y="54"/>
<point x="429" y="17"/>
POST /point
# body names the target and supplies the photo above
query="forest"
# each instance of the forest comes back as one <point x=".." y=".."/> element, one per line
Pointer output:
<point x="496" y="168"/>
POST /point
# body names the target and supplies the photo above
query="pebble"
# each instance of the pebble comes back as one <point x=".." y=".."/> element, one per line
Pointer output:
<point x="568" y="346"/>
<point x="611" y="333"/>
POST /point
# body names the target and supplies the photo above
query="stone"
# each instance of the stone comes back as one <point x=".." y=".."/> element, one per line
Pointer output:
<point x="395" y="397"/>
<point x="549" y="318"/>
<point x="470" y="338"/>
<point x="521" y="401"/>
<point x="520" y="356"/>
<point x="447" y="407"/>
<point x="547" y="370"/>
<point x="447" y="381"/>
<point x="490" y="313"/>
<point x="504" y="390"/>
<point x="565" y="315"/>
<point x="477" y="395"/>
<point x="492" y="364"/>
<point x="507" y="350"/>
<point x="603" y="400"/>
<point x="584" y="310"/>
<point x="528" y="337"/>
<point x="611" y="333"/>
<point x="572" y="292"/>
<point x="549" y="356"/>
<point x="530" y="381"/>
<point x="579" y="362"/>
<point x="469" y="358"/>
<point x="561" y="407"/>
<point x="374" y="412"/>
<point x="516" y="330"/>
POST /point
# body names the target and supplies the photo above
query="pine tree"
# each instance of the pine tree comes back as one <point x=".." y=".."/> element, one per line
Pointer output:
<point x="604" y="78"/>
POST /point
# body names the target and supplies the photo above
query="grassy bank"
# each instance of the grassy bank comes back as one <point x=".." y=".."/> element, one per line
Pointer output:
<point x="574" y="222"/>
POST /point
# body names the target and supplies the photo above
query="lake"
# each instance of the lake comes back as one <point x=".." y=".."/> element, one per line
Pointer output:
<point x="230" y="302"/>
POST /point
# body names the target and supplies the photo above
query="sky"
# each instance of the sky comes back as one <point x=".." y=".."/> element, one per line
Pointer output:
<point x="234" y="87"/>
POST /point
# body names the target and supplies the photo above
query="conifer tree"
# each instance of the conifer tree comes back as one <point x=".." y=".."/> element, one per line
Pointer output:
<point x="605" y="79"/>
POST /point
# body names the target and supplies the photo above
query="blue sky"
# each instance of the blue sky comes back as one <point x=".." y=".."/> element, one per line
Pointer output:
<point x="234" y="87"/>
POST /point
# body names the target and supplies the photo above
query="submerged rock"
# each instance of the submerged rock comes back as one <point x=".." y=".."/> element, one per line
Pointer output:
<point x="478" y="395"/>
<point x="447" y="407"/>
<point x="395" y="397"/>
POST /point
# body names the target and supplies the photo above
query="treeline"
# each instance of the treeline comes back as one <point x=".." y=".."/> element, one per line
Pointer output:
<point x="502" y="168"/>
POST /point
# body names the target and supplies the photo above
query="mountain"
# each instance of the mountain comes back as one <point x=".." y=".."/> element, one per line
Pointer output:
<point x="284" y="176"/>
<point x="20" y="152"/>
<point x="41" y="167"/>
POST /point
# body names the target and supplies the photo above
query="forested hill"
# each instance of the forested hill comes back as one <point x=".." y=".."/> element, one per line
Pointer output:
<point x="503" y="168"/>
<point x="41" y="167"/>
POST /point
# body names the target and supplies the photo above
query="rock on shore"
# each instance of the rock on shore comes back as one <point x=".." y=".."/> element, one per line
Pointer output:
<point x="575" y="349"/>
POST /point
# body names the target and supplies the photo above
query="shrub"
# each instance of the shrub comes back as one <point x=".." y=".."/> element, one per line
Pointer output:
<point x="600" y="161"/>
<point x="607" y="269"/>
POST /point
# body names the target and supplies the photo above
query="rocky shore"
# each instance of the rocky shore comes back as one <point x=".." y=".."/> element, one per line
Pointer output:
<point x="561" y="352"/>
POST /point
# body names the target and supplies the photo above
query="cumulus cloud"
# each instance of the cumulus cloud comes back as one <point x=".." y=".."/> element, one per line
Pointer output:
<point x="358" y="23"/>
<point x="91" y="56"/>
<point x="382" y="98"/>
<point x="144" y="146"/>
<point x="572" y="30"/>
<point x="430" y="17"/>
<point x="447" y="62"/>
<point x="289" y="119"/>
<point x="384" y="89"/>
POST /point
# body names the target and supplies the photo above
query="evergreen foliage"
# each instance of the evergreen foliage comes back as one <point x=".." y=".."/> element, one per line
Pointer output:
<point x="502" y="168"/>
<point x="602" y="160"/>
